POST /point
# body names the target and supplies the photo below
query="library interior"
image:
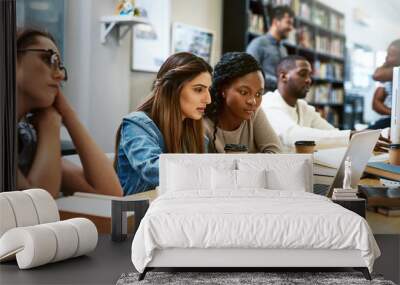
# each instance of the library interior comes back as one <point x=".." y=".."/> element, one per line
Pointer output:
<point x="113" y="107"/>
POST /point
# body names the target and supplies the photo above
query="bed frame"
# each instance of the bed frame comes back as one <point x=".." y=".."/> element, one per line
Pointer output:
<point x="236" y="259"/>
<point x="249" y="259"/>
<point x="233" y="258"/>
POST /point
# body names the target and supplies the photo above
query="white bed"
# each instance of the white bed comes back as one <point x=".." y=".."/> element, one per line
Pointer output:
<point x="221" y="211"/>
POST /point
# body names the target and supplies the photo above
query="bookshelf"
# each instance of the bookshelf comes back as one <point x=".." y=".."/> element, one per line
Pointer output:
<point x="318" y="35"/>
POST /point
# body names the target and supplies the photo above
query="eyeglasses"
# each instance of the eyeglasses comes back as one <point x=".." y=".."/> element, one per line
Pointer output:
<point x="52" y="60"/>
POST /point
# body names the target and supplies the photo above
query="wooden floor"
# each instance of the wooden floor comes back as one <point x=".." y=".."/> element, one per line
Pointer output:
<point x="381" y="224"/>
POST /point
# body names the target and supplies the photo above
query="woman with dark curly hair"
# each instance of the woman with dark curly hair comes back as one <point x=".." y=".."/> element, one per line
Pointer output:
<point x="234" y="116"/>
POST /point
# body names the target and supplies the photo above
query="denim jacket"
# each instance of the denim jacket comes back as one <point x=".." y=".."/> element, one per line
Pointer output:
<point x="139" y="150"/>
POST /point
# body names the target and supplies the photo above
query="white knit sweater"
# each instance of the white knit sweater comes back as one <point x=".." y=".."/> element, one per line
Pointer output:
<point x="305" y="123"/>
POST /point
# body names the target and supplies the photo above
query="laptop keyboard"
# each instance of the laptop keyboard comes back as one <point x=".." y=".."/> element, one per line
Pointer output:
<point x="321" y="189"/>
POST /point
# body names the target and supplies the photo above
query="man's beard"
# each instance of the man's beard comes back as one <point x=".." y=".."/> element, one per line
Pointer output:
<point x="302" y="93"/>
<point x="284" y="35"/>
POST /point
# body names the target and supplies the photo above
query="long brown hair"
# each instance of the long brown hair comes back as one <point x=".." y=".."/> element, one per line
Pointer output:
<point x="163" y="105"/>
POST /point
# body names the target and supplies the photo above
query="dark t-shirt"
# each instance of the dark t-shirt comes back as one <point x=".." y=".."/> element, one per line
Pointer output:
<point x="27" y="142"/>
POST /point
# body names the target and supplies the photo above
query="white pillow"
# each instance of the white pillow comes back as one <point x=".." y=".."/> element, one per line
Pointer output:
<point x="228" y="179"/>
<point x="188" y="177"/>
<point x="251" y="178"/>
<point x="296" y="181"/>
<point x="224" y="179"/>
<point x="283" y="172"/>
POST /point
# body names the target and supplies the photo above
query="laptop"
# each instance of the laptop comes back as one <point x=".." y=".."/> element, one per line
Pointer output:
<point x="359" y="150"/>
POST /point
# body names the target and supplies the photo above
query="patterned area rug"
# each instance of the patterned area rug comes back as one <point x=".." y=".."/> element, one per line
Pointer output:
<point x="230" y="278"/>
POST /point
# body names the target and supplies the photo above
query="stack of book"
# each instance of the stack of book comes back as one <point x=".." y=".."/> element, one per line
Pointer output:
<point x="344" y="194"/>
<point x="384" y="169"/>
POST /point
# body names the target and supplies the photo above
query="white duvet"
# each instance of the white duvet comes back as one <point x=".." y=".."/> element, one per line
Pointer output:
<point x="252" y="218"/>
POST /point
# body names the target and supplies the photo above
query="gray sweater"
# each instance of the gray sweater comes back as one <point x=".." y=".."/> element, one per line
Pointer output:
<point x="256" y="133"/>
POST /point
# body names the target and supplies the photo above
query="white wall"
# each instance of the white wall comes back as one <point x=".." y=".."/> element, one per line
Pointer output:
<point x="98" y="86"/>
<point x="206" y="14"/>
<point x="101" y="86"/>
<point x="382" y="18"/>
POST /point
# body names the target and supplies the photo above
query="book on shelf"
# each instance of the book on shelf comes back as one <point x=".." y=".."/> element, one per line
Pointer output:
<point x="336" y="47"/>
<point x="337" y="23"/>
<point x="384" y="169"/>
<point x="322" y="43"/>
<point x="279" y="2"/>
<point x="320" y="17"/>
<point x="325" y="94"/>
<point x="304" y="37"/>
<point x="336" y="95"/>
<point x="301" y="9"/>
<point x="332" y="116"/>
<point x="305" y="11"/>
<point x="324" y="70"/>
<point x="256" y="23"/>
<point x="321" y="93"/>
<point x="295" y="5"/>
<point x="327" y="112"/>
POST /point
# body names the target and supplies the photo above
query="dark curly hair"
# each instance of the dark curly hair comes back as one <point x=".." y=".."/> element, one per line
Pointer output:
<point x="231" y="66"/>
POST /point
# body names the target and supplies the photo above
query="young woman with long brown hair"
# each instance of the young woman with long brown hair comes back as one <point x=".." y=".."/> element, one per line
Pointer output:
<point x="169" y="121"/>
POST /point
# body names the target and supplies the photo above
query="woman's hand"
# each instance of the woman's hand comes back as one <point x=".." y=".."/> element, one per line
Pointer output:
<point x="96" y="174"/>
<point x="382" y="145"/>
<point x="62" y="105"/>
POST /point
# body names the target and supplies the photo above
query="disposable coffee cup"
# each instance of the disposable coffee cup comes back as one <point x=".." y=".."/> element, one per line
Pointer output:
<point x="394" y="154"/>
<point x="235" y="148"/>
<point x="305" y="146"/>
